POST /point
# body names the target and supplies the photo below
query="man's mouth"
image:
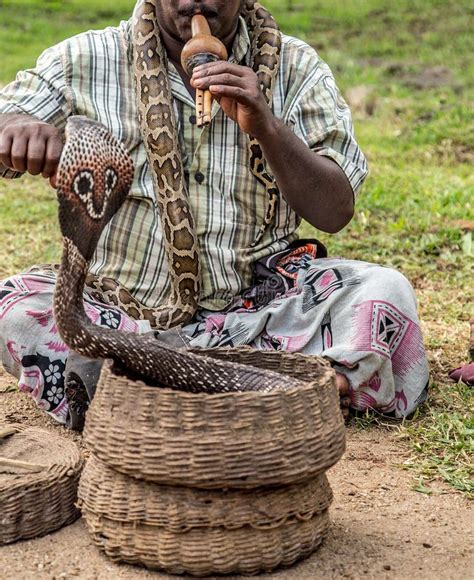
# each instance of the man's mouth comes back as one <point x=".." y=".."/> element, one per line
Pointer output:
<point x="208" y="13"/>
<point x="185" y="15"/>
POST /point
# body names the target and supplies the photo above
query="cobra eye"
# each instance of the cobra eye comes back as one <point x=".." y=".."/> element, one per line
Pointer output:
<point x="110" y="179"/>
<point x="83" y="183"/>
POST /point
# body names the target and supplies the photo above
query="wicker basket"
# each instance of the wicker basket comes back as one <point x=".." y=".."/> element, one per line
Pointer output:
<point x="202" y="532"/>
<point x="39" y="476"/>
<point x="121" y="498"/>
<point x="209" y="551"/>
<point x="231" y="440"/>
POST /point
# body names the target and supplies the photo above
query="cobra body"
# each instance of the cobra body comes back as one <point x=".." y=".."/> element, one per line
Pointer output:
<point x="158" y="128"/>
<point x="94" y="177"/>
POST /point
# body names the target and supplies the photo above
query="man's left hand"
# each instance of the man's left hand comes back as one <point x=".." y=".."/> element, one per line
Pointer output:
<point x="237" y="90"/>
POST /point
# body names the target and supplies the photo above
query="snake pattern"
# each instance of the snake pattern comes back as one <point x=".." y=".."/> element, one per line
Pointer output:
<point x="94" y="176"/>
<point x="158" y="128"/>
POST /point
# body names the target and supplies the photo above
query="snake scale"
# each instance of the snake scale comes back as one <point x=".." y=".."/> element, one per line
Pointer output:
<point x="158" y="128"/>
<point x="94" y="177"/>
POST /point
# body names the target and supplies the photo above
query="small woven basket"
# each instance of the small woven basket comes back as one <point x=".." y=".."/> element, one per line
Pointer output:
<point x="202" y="532"/>
<point x="39" y="476"/>
<point x="230" y="440"/>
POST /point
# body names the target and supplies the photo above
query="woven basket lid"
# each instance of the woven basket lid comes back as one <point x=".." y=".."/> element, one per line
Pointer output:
<point x="211" y="441"/>
<point x="39" y="477"/>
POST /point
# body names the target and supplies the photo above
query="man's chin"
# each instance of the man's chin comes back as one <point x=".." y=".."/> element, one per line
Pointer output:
<point x="181" y="35"/>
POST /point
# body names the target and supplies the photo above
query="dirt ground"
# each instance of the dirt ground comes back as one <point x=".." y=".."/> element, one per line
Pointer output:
<point x="381" y="528"/>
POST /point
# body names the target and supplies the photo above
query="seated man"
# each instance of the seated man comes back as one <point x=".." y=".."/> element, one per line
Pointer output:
<point x="280" y="148"/>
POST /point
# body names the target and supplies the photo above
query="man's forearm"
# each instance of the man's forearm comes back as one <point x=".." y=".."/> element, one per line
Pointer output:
<point x="313" y="185"/>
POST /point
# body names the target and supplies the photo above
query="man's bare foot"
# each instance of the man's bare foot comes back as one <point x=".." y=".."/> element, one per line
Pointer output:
<point x="343" y="388"/>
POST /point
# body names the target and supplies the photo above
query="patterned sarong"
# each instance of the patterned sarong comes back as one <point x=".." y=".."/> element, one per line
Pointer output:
<point x="360" y="316"/>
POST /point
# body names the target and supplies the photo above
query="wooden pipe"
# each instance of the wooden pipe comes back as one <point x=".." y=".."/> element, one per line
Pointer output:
<point x="201" y="49"/>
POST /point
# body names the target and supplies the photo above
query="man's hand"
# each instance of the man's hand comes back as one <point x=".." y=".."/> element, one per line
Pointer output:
<point x="313" y="185"/>
<point x="237" y="90"/>
<point x="29" y="145"/>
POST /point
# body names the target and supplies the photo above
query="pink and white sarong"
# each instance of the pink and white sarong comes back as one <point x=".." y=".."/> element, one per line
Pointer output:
<point x="360" y="316"/>
<point x="30" y="346"/>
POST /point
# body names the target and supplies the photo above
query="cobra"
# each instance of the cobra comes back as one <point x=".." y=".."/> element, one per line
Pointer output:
<point x="94" y="177"/>
<point x="158" y="128"/>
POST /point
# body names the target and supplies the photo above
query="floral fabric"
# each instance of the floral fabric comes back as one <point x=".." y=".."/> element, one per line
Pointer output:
<point x="30" y="346"/>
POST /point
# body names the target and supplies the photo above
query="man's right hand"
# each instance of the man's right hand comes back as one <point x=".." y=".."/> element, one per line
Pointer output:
<point x="29" y="145"/>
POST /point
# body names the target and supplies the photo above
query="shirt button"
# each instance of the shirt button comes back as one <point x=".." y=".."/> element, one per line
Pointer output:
<point x="192" y="119"/>
<point x="199" y="177"/>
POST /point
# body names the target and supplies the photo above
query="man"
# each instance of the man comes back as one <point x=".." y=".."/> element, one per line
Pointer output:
<point x="279" y="293"/>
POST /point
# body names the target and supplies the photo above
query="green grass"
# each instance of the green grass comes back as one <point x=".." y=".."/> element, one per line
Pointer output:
<point x="443" y="441"/>
<point x="47" y="22"/>
<point x="440" y="437"/>
<point x="420" y="146"/>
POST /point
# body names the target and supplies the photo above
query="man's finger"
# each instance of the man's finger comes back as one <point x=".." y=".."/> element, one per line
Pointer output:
<point x="53" y="181"/>
<point x="35" y="155"/>
<point x="53" y="154"/>
<point x="236" y="93"/>
<point x="6" y="150"/>
<point x="18" y="153"/>
<point x="219" y="79"/>
<point x="220" y="67"/>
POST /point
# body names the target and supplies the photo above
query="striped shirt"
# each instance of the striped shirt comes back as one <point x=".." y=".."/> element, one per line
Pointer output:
<point x="91" y="74"/>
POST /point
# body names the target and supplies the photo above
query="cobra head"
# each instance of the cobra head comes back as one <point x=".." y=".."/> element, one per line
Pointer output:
<point x="94" y="176"/>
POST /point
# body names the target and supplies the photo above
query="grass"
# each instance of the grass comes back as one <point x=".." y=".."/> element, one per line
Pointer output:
<point x="443" y="441"/>
<point x="440" y="439"/>
<point x="412" y="60"/>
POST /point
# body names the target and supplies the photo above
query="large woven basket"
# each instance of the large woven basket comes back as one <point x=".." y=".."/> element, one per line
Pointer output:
<point x="39" y="476"/>
<point x="231" y="440"/>
<point x="202" y="532"/>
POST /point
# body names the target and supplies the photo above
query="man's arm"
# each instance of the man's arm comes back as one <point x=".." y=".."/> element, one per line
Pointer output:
<point x="29" y="145"/>
<point x="313" y="185"/>
<point x="33" y="111"/>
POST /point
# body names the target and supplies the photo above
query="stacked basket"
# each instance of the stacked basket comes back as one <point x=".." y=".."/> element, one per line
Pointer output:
<point x="207" y="484"/>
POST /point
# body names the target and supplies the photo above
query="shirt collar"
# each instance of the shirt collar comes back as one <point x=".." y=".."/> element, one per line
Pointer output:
<point x="242" y="43"/>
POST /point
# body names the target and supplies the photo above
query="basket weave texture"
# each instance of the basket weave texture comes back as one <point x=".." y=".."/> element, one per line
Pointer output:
<point x="39" y="476"/>
<point x="119" y="497"/>
<point x="209" y="551"/>
<point x="212" y="484"/>
<point x="202" y="532"/>
<point x="230" y="440"/>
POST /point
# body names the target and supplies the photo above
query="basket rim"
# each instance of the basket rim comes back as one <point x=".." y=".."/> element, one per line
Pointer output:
<point x="47" y="476"/>
<point x="109" y="366"/>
